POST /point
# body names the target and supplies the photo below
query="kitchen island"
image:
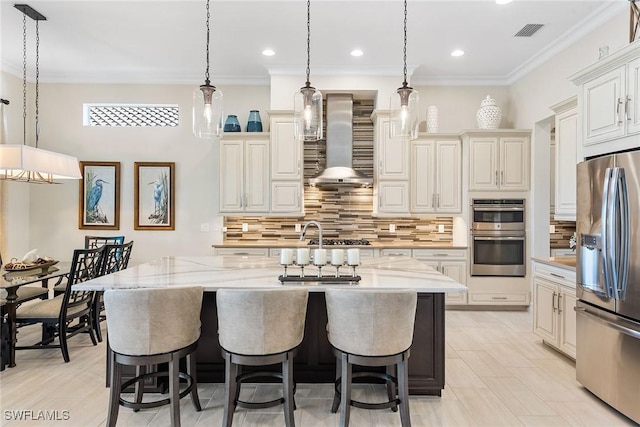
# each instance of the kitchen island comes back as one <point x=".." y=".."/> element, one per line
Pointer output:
<point x="315" y="361"/>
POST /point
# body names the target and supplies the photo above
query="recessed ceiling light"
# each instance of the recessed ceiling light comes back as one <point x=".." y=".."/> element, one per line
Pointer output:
<point x="503" y="1"/>
<point x="268" y="52"/>
<point x="457" y="52"/>
<point x="357" y="52"/>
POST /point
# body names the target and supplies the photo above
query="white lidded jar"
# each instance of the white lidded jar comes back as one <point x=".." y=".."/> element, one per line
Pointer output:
<point x="432" y="119"/>
<point x="489" y="114"/>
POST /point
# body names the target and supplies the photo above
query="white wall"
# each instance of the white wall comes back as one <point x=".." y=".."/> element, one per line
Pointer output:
<point x="46" y="216"/>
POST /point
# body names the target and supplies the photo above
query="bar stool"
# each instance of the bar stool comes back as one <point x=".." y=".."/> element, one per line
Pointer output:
<point x="371" y="328"/>
<point x="260" y="327"/>
<point x="149" y="327"/>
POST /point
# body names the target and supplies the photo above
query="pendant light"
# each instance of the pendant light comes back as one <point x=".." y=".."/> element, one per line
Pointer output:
<point x="207" y="103"/>
<point x="307" y="102"/>
<point x="404" y="104"/>
<point x="23" y="163"/>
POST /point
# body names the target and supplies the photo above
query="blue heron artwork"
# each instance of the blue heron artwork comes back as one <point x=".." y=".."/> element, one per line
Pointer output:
<point x="160" y="213"/>
<point x="93" y="210"/>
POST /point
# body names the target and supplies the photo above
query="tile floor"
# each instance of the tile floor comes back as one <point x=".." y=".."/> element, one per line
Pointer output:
<point x="498" y="373"/>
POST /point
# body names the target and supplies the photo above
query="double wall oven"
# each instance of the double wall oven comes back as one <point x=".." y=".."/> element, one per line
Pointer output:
<point x="498" y="237"/>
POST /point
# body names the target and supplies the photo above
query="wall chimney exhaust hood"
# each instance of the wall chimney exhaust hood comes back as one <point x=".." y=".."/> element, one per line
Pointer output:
<point x="339" y="170"/>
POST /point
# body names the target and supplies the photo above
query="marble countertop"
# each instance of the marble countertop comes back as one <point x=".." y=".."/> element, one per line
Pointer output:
<point x="304" y="244"/>
<point x="566" y="262"/>
<point x="217" y="272"/>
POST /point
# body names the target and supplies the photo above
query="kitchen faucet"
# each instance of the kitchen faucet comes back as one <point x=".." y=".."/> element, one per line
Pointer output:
<point x="304" y="231"/>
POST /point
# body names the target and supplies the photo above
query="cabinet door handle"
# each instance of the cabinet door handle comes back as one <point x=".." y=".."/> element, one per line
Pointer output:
<point x="502" y="298"/>
<point x="440" y="254"/>
<point x="242" y="200"/>
<point x="559" y="303"/>
<point x="298" y="167"/>
<point x="618" y="107"/>
<point x="557" y="275"/>
<point x="246" y="200"/>
<point x="626" y="107"/>
<point x="433" y="200"/>
<point x="496" y="176"/>
<point x="555" y="308"/>
<point x="380" y="167"/>
<point x="438" y="200"/>
<point x="501" y="177"/>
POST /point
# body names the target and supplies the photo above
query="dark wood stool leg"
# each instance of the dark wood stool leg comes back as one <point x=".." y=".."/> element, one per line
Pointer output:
<point x="287" y="385"/>
<point x="230" y="390"/>
<point x="191" y="370"/>
<point x="403" y="386"/>
<point x="174" y="392"/>
<point x="336" y="398"/>
<point x="114" y="393"/>
<point x="391" y="387"/>
<point x="345" y="391"/>
<point x="139" y="387"/>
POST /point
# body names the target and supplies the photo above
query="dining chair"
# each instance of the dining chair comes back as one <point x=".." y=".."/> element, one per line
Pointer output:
<point x="115" y="258"/>
<point x="59" y="313"/>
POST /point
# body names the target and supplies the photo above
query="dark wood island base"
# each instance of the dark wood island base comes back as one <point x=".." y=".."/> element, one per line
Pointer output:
<point x="315" y="362"/>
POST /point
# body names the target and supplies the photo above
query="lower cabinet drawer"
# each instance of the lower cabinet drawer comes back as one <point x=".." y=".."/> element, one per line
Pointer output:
<point x="242" y="251"/>
<point x="501" y="298"/>
<point x="455" y="298"/>
<point x="395" y="252"/>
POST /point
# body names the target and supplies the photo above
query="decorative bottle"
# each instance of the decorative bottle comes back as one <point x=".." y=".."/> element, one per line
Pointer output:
<point x="254" y="124"/>
<point x="232" y="124"/>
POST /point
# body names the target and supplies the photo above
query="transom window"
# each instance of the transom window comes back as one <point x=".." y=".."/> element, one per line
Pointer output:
<point x="164" y="115"/>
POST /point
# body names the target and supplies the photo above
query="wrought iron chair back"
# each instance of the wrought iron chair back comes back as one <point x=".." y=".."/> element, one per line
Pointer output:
<point x="91" y="242"/>
<point x="116" y="257"/>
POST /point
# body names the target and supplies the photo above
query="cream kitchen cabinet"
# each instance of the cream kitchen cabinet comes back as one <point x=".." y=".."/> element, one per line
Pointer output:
<point x="609" y="102"/>
<point x="244" y="173"/>
<point x="451" y="263"/>
<point x="498" y="160"/>
<point x="566" y="159"/>
<point x="391" y="155"/>
<point x="554" y="318"/>
<point x="392" y="197"/>
<point x="287" y="190"/>
<point x="436" y="175"/>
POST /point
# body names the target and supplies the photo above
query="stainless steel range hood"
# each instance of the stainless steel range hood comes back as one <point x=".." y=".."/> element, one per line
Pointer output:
<point x="339" y="169"/>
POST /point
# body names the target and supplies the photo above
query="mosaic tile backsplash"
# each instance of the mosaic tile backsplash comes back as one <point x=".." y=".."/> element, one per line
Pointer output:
<point x="344" y="212"/>
<point x="564" y="230"/>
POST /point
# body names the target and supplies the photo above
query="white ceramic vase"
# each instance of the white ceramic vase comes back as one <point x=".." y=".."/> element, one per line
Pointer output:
<point x="432" y="119"/>
<point x="489" y="114"/>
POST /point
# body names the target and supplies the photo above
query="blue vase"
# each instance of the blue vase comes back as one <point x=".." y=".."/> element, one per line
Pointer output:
<point x="232" y="124"/>
<point x="254" y="124"/>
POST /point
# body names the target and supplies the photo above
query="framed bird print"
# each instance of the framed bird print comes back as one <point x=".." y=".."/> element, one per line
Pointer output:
<point x="154" y="196"/>
<point x="99" y="206"/>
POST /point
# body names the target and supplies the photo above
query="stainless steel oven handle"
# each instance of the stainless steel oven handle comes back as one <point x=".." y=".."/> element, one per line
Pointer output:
<point x="620" y="328"/>
<point x="497" y="208"/>
<point x="499" y="238"/>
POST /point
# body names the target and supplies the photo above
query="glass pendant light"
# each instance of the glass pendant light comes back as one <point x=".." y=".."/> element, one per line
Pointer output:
<point x="207" y="103"/>
<point x="404" y="103"/>
<point x="307" y="102"/>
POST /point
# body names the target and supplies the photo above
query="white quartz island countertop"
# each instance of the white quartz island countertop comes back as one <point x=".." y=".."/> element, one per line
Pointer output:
<point x="217" y="272"/>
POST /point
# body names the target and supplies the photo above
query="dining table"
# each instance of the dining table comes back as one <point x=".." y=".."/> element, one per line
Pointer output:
<point x="11" y="281"/>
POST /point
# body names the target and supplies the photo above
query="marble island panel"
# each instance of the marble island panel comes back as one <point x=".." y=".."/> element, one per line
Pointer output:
<point x="217" y="272"/>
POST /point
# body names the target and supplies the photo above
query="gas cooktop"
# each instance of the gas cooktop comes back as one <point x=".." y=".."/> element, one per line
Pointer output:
<point x="345" y="242"/>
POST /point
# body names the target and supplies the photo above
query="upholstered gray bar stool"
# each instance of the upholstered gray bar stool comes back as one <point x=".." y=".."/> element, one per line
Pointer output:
<point x="149" y="327"/>
<point x="259" y="327"/>
<point x="371" y="328"/>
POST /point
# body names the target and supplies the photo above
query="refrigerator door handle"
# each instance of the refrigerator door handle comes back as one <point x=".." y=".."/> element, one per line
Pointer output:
<point x="622" y="235"/>
<point x="612" y="324"/>
<point x="607" y="232"/>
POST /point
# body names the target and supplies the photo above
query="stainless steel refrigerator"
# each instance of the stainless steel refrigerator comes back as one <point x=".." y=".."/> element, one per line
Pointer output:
<point x="608" y="280"/>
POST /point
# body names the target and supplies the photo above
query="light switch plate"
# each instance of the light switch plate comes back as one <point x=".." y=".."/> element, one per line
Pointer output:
<point x="552" y="228"/>
<point x="440" y="228"/>
<point x="298" y="228"/>
<point x="392" y="228"/>
<point x="204" y="227"/>
<point x="245" y="226"/>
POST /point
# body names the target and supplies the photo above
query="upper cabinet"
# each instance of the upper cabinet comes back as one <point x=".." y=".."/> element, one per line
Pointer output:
<point x="566" y="159"/>
<point x="436" y="174"/>
<point x="244" y="173"/>
<point x="287" y="167"/>
<point x="609" y="102"/>
<point x="391" y="155"/>
<point x="498" y="159"/>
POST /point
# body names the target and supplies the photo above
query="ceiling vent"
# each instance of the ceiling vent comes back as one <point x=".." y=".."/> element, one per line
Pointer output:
<point x="528" y="30"/>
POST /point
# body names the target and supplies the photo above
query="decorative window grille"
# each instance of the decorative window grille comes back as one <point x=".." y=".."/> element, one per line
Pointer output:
<point x="135" y="115"/>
